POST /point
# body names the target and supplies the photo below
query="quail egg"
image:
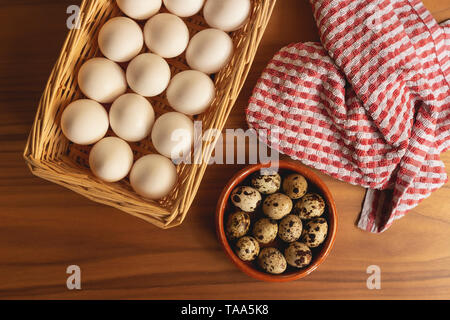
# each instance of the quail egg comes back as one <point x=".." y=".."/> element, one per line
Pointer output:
<point x="266" y="184"/>
<point x="295" y="186"/>
<point x="298" y="255"/>
<point x="310" y="206"/>
<point x="315" y="232"/>
<point x="277" y="206"/>
<point x="246" y="198"/>
<point x="272" y="261"/>
<point x="237" y="225"/>
<point x="290" y="228"/>
<point x="265" y="230"/>
<point x="247" y="248"/>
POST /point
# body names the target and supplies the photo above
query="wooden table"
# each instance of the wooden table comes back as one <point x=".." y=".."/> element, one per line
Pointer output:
<point x="45" y="228"/>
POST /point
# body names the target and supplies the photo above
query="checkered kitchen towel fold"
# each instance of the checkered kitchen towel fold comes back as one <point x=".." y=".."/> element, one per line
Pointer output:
<point x="369" y="106"/>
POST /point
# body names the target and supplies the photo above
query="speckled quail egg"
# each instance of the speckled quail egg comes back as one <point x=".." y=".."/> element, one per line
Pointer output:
<point x="246" y="198"/>
<point x="272" y="261"/>
<point x="310" y="206"/>
<point x="247" y="248"/>
<point x="315" y="232"/>
<point x="266" y="184"/>
<point x="295" y="186"/>
<point x="265" y="230"/>
<point x="277" y="206"/>
<point x="290" y="228"/>
<point x="298" y="255"/>
<point x="237" y="225"/>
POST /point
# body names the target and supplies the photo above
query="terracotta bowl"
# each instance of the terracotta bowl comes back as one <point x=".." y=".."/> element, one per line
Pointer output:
<point x="224" y="207"/>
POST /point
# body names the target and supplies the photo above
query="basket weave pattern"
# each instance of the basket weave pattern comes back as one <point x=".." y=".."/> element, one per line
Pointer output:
<point x="51" y="156"/>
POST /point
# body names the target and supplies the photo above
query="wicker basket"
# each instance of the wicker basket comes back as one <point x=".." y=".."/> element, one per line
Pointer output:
<point x="51" y="156"/>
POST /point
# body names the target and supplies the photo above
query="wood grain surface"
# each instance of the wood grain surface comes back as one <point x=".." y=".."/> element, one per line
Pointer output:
<point x="45" y="228"/>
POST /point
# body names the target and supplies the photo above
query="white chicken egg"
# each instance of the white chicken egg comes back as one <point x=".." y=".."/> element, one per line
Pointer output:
<point x="166" y="35"/>
<point x="102" y="80"/>
<point x="153" y="176"/>
<point x="131" y="117"/>
<point x="111" y="159"/>
<point x="84" y="121"/>
<point x="184" y="8"/>
<point x="209" y="51"/>
<point x="120" y="39"/>
<point x="190" y="92"/>
<point x="148" y="74"/>
<point x="173" y="134"/>
<point x="229" y="15"/>
<point x="139" y="9"/>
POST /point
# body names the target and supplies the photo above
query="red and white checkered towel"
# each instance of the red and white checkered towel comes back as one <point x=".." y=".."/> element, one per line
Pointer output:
<point x="369" y="106"/>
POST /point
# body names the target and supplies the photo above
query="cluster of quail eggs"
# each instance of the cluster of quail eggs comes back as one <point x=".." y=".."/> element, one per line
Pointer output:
<point x="276" y="222"/>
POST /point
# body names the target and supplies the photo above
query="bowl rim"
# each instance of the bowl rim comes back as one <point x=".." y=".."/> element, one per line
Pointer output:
<point x="309" y="175"/>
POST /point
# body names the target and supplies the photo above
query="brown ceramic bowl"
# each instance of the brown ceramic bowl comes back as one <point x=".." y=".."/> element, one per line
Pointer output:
<point x="224" y="207"/>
